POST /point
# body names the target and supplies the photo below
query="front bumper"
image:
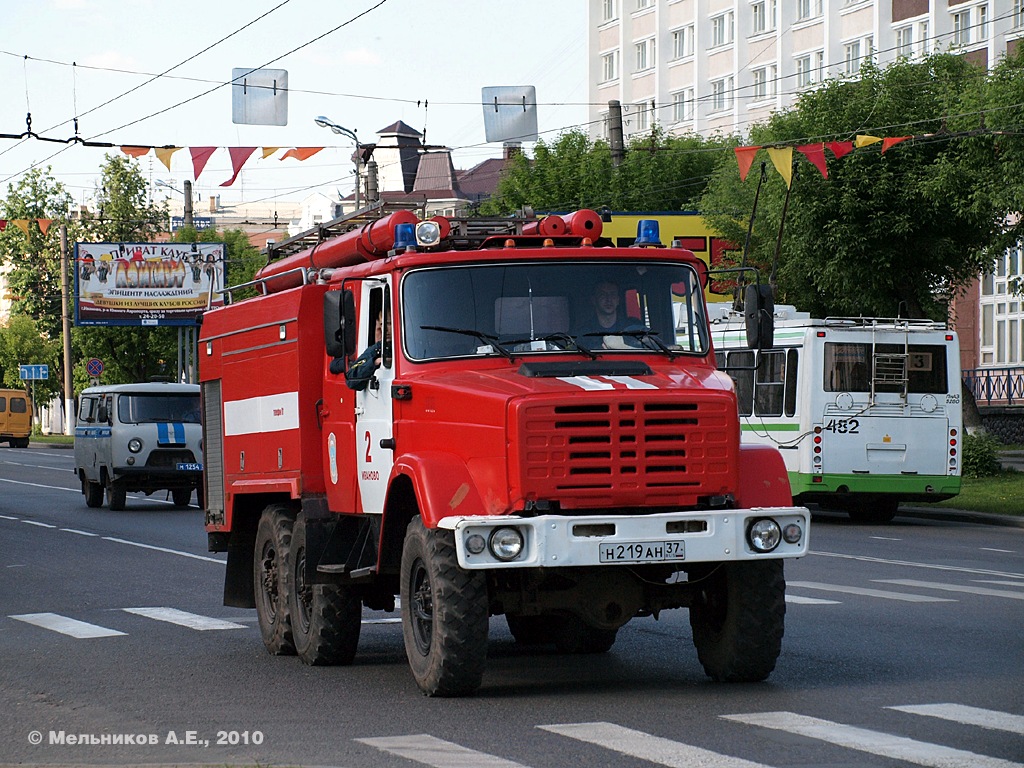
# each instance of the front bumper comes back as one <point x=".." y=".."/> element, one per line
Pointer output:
<point x="559" y="541"/>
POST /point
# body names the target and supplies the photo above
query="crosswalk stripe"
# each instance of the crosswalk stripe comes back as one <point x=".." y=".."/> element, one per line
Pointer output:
<point x="184" y="619"/>
<point x="66" y="626"/>
<point x="872" y="742"/>
<point x="654" y="749"/>
<point x="801" y="600"/>
<point x="959" y="713"/>
<point x="909" y="598"/>
<point x="428" y="750"/>
<point x="954" y="588"/>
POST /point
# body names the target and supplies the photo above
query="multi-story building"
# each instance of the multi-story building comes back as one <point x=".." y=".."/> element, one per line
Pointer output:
<point x="717" y="66"/>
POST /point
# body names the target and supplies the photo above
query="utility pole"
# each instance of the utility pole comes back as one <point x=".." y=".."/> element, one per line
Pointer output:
<point x="69" y="394"/>
<point x="372" y="195"/>
<point x="188" y="203"/>
<point x="615" y="132"/>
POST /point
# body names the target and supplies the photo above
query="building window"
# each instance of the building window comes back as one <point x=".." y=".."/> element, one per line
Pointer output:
<point x="810" y="69"/>
<point x="922" y="35"/>
<point x="644" y="55"/>
<point x="763" y="15"/>
<point x="609" y="66"/>
<point x="809" y="9"/>
<point x="682" y="105"/>
<point x="721" y="94"/>
<point x="1018" y="14"/>
<point x="642" y="120"/>
<point x="641" y="4"/>
<point x="722" y="29"/>
<point x="608" y="10"/>
<point x="851" y="58"/>
<point x="982" y="24"/>
<point x="764" y="82"/>
<point x="682" y="42"/>
<point x="905" y="41"/>
<point x="962" y="27"/>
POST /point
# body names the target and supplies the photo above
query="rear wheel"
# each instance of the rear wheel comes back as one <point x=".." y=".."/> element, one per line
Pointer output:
<point x="738" y="619"/>
<point x="181" y="496"/>
<point x="444" y="614"/>
<point x="326" y="618"/>
<point x="116" y="497"/>
<point x="93" y="493"/>
<point x="273" y="539"/>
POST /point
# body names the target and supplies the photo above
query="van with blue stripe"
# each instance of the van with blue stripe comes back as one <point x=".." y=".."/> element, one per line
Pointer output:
<point x="139" y="438"/>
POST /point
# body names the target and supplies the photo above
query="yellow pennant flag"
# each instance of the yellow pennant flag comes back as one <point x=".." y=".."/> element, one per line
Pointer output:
<point x="164" y="155"/>
<point x="863" y="140"/>
<point x="21" y="224"/>
<point x="782" y="159"/>
<point x="268" y="151"/>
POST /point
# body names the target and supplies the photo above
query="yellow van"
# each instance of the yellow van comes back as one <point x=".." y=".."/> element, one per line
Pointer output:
<point x="15" y="417"/>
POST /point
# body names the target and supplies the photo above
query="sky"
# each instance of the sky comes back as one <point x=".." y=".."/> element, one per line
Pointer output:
<point x="420" y="61"/>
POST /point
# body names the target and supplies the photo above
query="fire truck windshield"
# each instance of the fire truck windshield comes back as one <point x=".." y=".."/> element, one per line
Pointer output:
<point x="568" y="307"/>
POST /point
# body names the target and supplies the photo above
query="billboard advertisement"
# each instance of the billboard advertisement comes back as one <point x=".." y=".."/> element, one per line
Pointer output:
<point x="147" y="283"/>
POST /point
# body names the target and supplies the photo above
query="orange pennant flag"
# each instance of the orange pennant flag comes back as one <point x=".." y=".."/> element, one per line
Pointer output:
<point x="163" y="154"/>
<point x="745" y="158"/>
<point x="892" y="142"/>
<point x="782" y="159"/>
<point x="840" y="148"/>
<point x="135" y="151"/>
<point x="200" y="156"/>
<point x="268" y="151"/>
<point x="238" y="157"/>
<point x="816" y="154"/>
<point x="301" y="153"/>
<point x="865" y="141"/>
<point x="44" y="225"/>
<point x="21" y="224"/>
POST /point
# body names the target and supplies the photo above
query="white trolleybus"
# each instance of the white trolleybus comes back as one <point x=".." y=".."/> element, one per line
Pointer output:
<point x="865" y="411"/>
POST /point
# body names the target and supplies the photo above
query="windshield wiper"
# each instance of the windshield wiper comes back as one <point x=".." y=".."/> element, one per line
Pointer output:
<point x="484" y="337"/>
<point x="574" y="341"/>
<point x="646" y="334"/>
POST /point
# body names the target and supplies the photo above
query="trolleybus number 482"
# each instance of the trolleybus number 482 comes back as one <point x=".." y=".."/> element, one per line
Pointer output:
<point x="843" y="426"/>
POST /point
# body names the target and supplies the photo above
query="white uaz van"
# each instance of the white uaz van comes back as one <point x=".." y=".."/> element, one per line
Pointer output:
<point x="139" y="438"/>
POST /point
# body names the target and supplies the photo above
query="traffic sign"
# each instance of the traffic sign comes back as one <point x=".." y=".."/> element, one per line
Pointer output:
<point x="33" y="372"/>
<point x="94" y="367"/>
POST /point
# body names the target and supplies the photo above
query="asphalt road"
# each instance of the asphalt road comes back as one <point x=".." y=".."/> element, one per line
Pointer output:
<point x="904" y="646"/>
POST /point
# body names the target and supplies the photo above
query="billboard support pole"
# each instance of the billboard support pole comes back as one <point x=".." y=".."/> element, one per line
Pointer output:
<point x="69" y="395"/>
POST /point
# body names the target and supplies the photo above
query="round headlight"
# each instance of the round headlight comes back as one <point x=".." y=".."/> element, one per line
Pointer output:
<point x="475" y="543"/>
<point x="792" y="533"/>
<point x="135" y="445"/>
<point x="764" y="535"/>
<point x="506" y="543"/>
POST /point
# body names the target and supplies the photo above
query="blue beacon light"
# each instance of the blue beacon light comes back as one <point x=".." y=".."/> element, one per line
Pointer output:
<point x="647" y="233"/>
<point x="405" y="236"/>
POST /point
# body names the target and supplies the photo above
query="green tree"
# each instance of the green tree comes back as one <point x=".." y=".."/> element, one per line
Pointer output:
<point x="21" y="343"/>
<point x="884" y="234"/>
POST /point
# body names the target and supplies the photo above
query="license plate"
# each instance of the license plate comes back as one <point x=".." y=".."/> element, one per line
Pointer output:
<point x="190" y="466"/>
<point x="641" y="551"/>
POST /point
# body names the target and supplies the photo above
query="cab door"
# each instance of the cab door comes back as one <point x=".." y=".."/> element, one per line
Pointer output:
<point x="374" y="426"/>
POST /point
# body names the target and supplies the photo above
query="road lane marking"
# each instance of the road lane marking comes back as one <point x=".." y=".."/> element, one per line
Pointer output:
<point x="164" y="549"/>
<point x="36" y="522"/>
<point x="959" y="713"/>
<point x="801" y="600"/>
<point x="953" y="588"/>
<point x="873" y="742"/>
<point x="429" y="750"/>
<point x="66" y="626"/>
<point x="40" y="485"/>
<point x="80" y="533"/>
<point x="184" y="619"/>
<point x="654" y="749"/>
<point x="1000" y="551"/>
<point x="904" y="596"/>
<point x="8" y="517"/>
<point x="932" y="566"/>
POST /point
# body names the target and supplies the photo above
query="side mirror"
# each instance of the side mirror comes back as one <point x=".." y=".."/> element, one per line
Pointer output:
<point x="339" y="323"/>
<point x="759" y="316"/>
<point x="703" y="274"/>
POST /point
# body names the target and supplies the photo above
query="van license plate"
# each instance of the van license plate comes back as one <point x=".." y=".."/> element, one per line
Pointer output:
<point x="190" y="466"/>
<point x="641" y="551"/>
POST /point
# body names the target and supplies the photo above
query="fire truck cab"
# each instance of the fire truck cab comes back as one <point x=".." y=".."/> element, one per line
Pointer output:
<point x="512" y="453"/>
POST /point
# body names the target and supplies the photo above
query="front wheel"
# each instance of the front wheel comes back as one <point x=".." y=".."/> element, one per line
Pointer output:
<point x="444" y="614"/>
<point x="738" y="619"/>
<point x="273" y="539"/>
<point x="181" y="496"/>
<point x="326" y="618"/>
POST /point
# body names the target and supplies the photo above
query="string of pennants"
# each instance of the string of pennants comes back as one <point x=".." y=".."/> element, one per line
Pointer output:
<point x="22" y="224"/>
<point x="201" y="155"/>
<point x="782" y="157"/>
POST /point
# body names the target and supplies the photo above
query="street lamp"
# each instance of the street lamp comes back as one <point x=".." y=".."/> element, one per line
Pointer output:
<point x="325" y="122"/>
<point x="187" y="195"/>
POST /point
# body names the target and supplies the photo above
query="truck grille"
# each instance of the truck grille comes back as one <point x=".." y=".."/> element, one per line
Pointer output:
<point x="636" y="451"/>
<point x="169" y="459"/>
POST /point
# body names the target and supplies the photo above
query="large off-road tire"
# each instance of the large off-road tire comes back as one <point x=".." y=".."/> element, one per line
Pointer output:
<point x="93" y="493"/>
<point x="531" y="630"/>
<point x="444" y="614"/>
<point x="181" y="496"/>
<point x="270" y="582"/>
<point x="572" y="635"/>
<point x="738" y="619"/>
<point x="875" y="510"/>
<point x="326" y="618"/>
<point x="116" y="498"/>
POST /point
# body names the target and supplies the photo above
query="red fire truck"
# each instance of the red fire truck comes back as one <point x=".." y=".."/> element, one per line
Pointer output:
<point x="512" y="453"/>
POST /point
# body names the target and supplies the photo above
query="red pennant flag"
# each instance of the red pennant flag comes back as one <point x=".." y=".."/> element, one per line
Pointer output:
<point x="816" y="154"/>
<point x="745" y="158"/>
<point x="238" y="157"/>
<point x="840" y="148"/>
<point x="887" y="143"/>
<point x="44" y="225"/>
<point x="301" y="153"/>
<point x="135" y="151"/>
<point x="3" y="224"/>
<point x="200" y="156"/>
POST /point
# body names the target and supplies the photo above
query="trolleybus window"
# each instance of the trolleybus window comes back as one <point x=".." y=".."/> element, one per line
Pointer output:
<point x="850" y="368"/>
